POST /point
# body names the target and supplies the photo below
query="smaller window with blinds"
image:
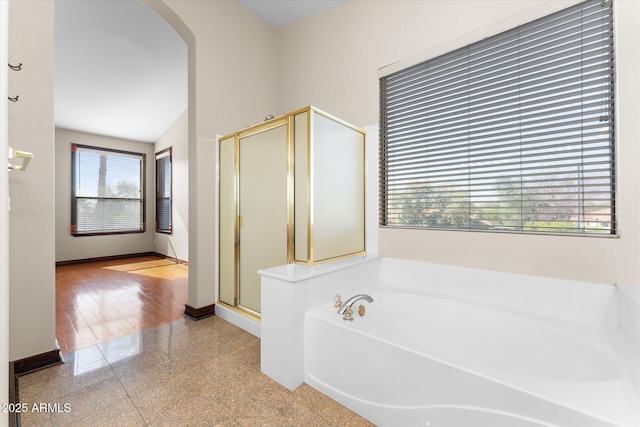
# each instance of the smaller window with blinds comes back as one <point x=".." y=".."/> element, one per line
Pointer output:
<point x="164" y="191"/>
<point x="107" y="191"/>
<point x="514" y="133"/>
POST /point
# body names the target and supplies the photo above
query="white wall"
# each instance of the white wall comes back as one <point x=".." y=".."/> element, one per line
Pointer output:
<point x="31" y="220"/>
<point x="331" y="61"/>
<point x="176" y="245"/>
<point x="4" y="213"/>
<point x="72" y="248"/>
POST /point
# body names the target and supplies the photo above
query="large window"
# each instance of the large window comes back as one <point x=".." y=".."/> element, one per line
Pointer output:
<point x="163" y="191"/>
<point x="107" y="193"/>
<point x="513" y="133"/>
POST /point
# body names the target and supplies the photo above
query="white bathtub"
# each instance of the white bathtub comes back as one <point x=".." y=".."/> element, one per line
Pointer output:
<point x="427" y="359"/>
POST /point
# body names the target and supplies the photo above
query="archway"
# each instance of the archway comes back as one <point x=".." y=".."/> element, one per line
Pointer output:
<point x="170" y="16"/>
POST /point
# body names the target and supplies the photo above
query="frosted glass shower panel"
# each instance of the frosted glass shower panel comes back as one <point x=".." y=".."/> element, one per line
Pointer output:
<point x="227" y="220"/>
<point x="263" y="209"/>
<point x="338" y="198"/>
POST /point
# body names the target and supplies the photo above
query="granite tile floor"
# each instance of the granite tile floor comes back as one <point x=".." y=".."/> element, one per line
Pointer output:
<point x="184" y="373"/>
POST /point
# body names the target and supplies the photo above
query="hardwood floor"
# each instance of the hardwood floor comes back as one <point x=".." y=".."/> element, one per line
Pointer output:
<point x="102" y="300"/>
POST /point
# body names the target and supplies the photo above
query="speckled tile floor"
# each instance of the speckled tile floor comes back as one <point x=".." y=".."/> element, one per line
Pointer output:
<point x="184" y="373"/>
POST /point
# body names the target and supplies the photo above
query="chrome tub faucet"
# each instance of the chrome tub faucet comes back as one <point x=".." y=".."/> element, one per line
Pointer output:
<point x="346" y="311"/>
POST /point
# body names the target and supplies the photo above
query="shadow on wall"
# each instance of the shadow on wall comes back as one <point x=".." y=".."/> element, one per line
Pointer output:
<point x="175" y="245"/>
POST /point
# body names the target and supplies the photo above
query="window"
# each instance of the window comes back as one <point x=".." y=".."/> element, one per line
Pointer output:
<point x="513" y="133"/>
<point x="163" y="191"/>
<point x="107" y="191"/>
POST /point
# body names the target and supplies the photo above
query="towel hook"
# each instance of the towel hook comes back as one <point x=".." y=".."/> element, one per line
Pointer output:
<point x="15" y="67"/>
<point x="13" y="99"/>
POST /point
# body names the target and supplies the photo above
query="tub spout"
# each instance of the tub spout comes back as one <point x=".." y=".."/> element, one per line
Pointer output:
<point x="347" y="305"/>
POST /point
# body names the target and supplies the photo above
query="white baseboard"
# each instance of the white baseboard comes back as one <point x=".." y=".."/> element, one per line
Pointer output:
<point x="243" y="322"/>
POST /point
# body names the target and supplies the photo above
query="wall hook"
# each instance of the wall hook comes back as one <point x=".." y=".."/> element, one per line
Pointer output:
<point x="13" y="99"/>
<point x="15" y="67"/>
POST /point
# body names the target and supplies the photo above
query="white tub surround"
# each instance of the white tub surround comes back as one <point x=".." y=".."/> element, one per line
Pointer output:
<point x="466" y="363"/>
<point x="451" y="346"/>
<point x="629" y="302"/>
<point x="288" y="292"/>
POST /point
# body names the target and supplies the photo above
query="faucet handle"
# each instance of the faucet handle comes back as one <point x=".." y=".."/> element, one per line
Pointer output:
<point x="338" y="303"/>
<point x="348" y="313"/>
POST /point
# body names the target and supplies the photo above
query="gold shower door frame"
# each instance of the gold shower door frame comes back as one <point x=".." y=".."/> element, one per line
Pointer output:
<point x="237" y="197"/>
<point x="306" y="203"/>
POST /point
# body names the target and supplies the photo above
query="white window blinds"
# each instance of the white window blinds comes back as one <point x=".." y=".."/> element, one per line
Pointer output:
<point x="107" y="191"/>
<point x="163" y="191"/>
<point x="512" y="133"/>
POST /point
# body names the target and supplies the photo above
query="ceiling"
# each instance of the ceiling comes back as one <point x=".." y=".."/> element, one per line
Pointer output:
<point x="121" y="70"/>
<point x="284" y="12"/>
